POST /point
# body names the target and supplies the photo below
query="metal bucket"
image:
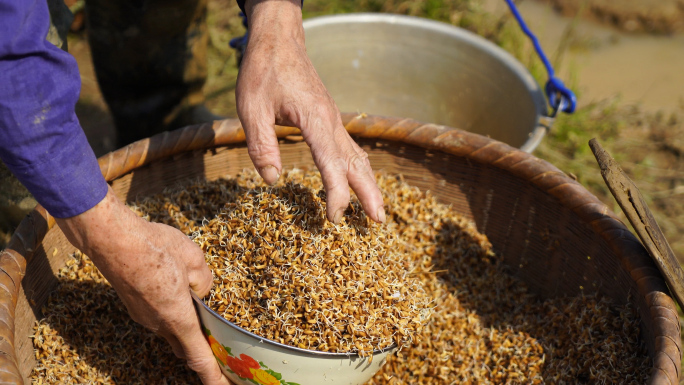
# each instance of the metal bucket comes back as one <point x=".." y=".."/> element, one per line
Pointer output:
<point x="434" y="72"/>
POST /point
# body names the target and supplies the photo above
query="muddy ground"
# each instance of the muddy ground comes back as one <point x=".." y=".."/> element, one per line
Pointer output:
<point x="654" y="16"/>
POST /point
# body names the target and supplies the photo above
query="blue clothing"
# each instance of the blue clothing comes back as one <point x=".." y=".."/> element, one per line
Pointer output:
<point x="41" y="140"/>
<point x="241" y="4"/>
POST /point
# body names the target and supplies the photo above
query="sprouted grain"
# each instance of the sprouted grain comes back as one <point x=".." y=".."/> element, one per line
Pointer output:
<point x="486" y="327"/>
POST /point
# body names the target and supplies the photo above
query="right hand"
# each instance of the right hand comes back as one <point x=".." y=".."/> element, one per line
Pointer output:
<point x="277" y="84"/>
<point x="152" y="267"/>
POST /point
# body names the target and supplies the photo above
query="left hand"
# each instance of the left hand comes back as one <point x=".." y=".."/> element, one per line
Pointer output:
<point x="152" y="267"/>
<point x="278" y="84"/>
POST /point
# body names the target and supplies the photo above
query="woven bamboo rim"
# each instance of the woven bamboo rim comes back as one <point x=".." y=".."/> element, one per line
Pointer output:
<point x="658" y="314"/>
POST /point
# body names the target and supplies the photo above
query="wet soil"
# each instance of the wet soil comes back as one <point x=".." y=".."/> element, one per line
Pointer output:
<point x="654" y="16"/>
<point x="601" y="62"/>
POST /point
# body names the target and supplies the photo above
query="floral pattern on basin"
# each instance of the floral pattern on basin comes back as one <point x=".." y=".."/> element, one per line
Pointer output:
<point x="244" y="366"/>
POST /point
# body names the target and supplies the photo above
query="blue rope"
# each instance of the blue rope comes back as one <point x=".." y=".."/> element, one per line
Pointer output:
<point x="560" y="97"/>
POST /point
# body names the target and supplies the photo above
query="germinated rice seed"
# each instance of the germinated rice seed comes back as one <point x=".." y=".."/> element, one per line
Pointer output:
<point x="486" y="327"/>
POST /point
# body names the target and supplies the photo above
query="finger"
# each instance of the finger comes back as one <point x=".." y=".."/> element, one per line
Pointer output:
<point x="333" y="168"/>
<point x="199" y="275"/>
<point x="364" y="155"/>
<point x="201" y="280"/>
<point x="198" y="354"/>
<point x="362" y="181"/>
<point x="200" y="359"/>
<point x="262" y="143"/>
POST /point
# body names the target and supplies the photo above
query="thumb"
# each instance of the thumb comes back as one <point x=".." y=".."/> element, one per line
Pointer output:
<point x="262" y="143"/>
<point x="199" y="275"/>
<point x="198" y="354"/>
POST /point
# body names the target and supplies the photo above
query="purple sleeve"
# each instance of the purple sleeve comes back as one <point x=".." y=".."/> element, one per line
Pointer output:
<point x="41" y="140"/>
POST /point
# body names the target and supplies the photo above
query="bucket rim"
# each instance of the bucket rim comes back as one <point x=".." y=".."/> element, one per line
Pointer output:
<point x="543" y="121"/>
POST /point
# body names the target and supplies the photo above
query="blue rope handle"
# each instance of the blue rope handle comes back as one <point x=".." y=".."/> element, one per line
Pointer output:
<point x="560" y="97"/>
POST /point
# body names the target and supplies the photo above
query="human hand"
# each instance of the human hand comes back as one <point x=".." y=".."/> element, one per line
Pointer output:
<point x="152" y="267"/>
<point x="278" y="84"/>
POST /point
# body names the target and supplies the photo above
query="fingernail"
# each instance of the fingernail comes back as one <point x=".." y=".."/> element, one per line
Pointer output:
<point x="270" y="174"/>
<point x="381" y="214"/>
<point x="338" y="216"/>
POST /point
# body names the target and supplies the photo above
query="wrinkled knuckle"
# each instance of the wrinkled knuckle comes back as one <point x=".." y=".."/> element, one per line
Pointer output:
<point x="191" y="251"/>
<point x="206" y="283"/>
<point x="325" y="108"/>
<point x="203" y="272"/>
<point x="197" y="261"/>
<point x="334" y="171"/>
<point x="359" y="163"/>
<point x="340" y="189"/>
<point x="322" y="113"/>
<point x="338" y="165"/>
<point x="259" y="150"/>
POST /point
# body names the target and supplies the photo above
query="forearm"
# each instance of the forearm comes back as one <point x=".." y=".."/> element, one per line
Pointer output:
<point x="278" y="84"/>
<point x="41" y="140"/>
<point x="99" y="233"/>
<point x="152" y="267"/>
<point x="273" y="20"/>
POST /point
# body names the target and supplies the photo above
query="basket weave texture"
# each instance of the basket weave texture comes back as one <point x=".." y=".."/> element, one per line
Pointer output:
<point x="544" y="223"/>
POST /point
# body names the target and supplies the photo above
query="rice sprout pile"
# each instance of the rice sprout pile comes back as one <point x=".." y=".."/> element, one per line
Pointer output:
<point x="487" y="328"/>
<point x="286" y="273"/>
<point x="87" y="337"/>
<point x="426" y="279"/>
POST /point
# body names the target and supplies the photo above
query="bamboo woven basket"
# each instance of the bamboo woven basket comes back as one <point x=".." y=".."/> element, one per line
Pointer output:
<point x="544" y="223"/>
